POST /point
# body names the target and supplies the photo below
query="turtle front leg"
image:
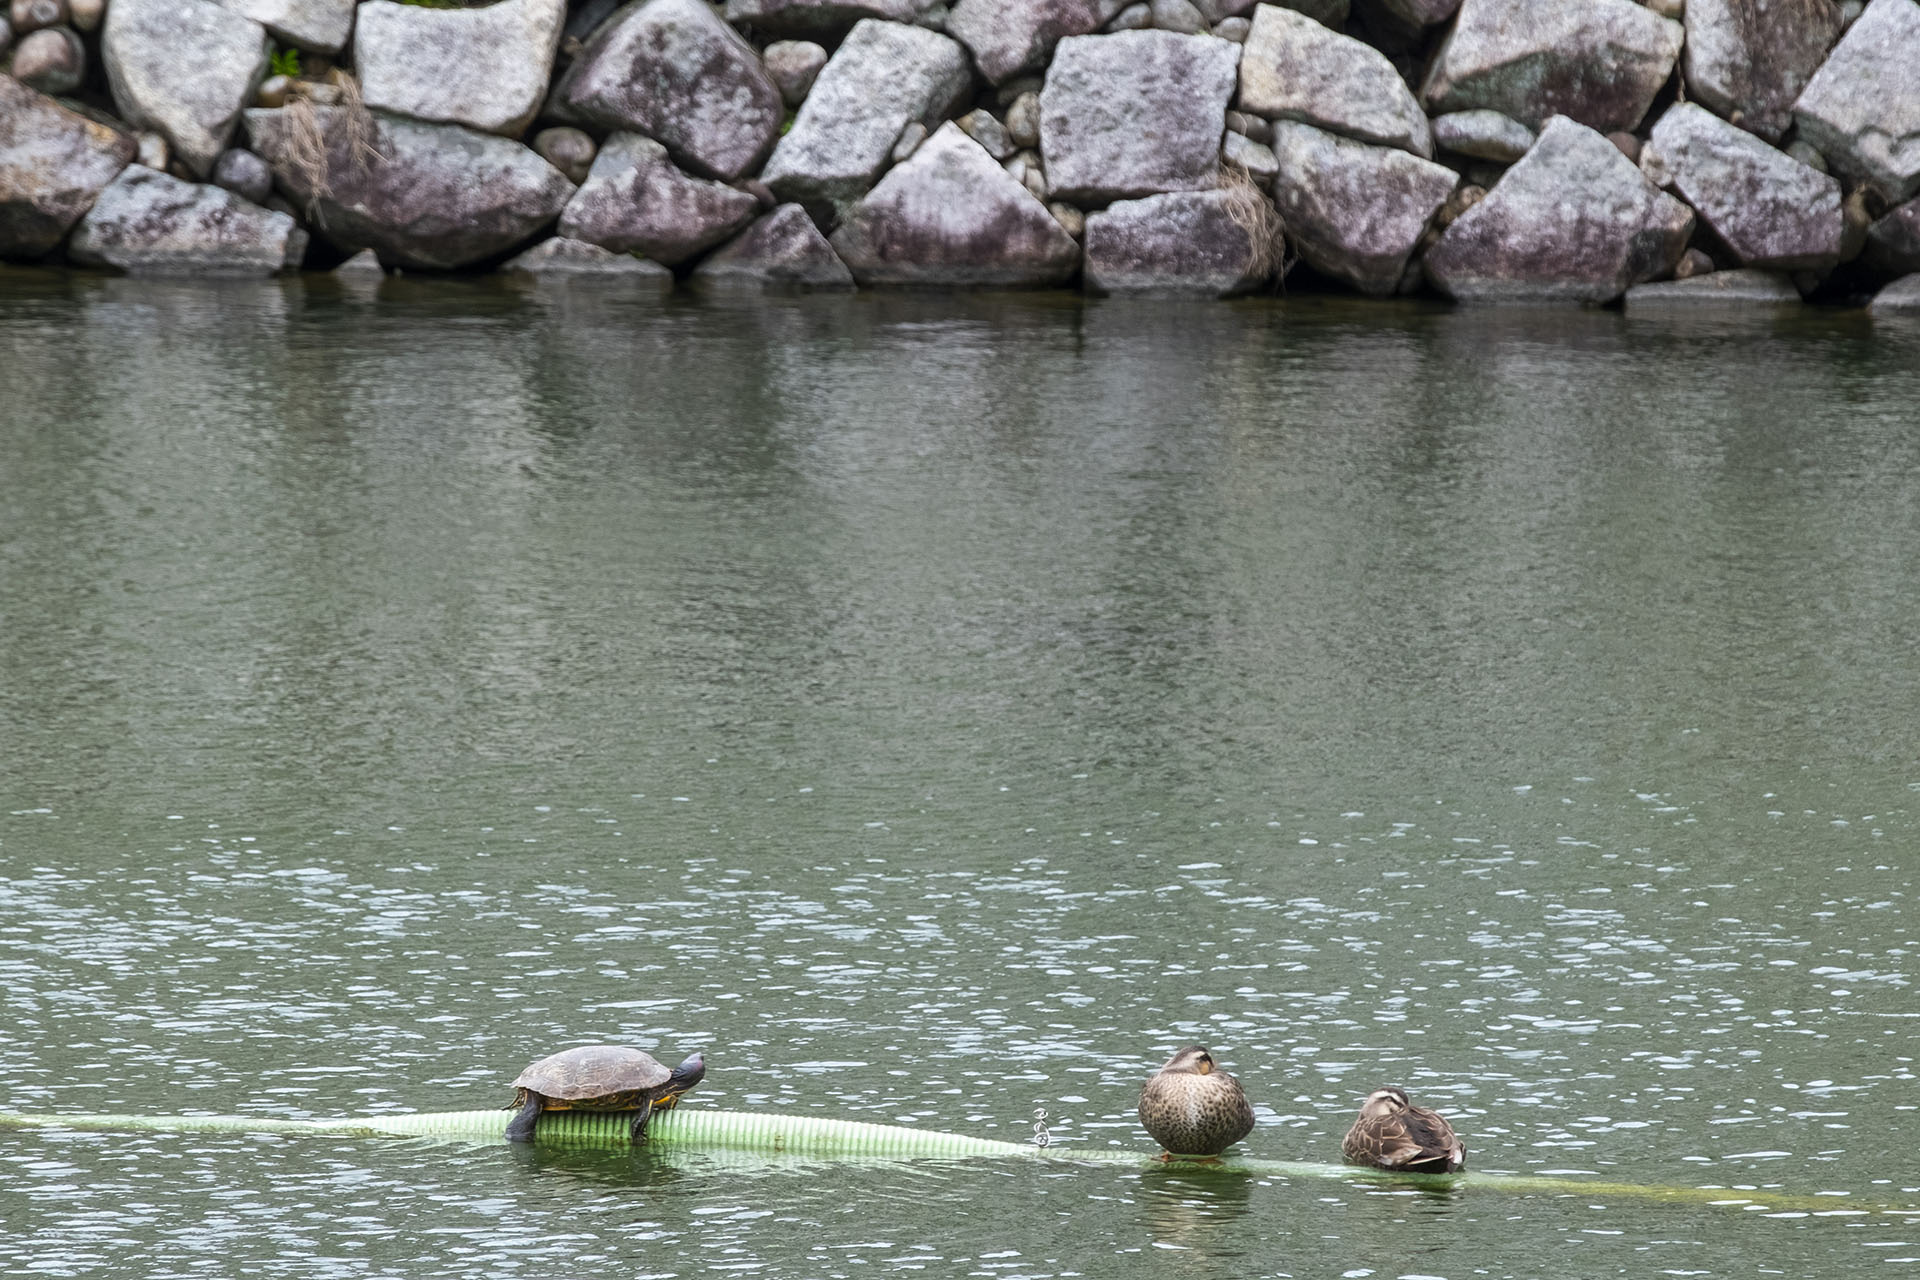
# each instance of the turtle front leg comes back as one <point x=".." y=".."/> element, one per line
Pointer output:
<point x="520" y="1128"/>
<point x="641" y="1121"/>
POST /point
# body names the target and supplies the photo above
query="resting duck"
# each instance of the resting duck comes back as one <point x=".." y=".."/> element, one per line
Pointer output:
<point x="1193" y="1109"/>
<point x="1392" y="1133"/>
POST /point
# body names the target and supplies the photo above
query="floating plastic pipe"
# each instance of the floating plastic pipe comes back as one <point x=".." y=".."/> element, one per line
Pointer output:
<point x="823" y="1138"/>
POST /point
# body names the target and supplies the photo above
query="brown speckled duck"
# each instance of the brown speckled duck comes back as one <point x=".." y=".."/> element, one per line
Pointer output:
<point x="1191" y="1108"/>
<point x="1392" y="1133"/>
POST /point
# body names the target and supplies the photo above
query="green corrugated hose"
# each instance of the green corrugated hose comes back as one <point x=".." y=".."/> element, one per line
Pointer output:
<point x="822" y="1138"/>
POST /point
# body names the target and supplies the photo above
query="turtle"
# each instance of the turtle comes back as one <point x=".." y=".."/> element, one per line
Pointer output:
<point x="1392" y="1133"/>
<point x="599" y="1077"/>
<point x="1191" y="1108"/>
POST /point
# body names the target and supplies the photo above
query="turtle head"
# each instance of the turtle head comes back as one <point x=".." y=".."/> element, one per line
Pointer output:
<point x="686" y="1075"/>
<point x="1384" y="1102"/>
<point x="1192" y="1060"/>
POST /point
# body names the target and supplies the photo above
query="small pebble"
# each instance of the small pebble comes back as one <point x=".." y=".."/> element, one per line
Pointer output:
<point x="1851" y="9"/>
<point x="1006" y="93"/>
<point x="1463" y="198"/>
<point x="1023" y="120"/>
<point x="1135" y="17"/>
<point x="243" y="173"/>
<point x="759" y="191"/>
<point x="933" y="19"/>
<point x="152" y="151"/>
<point x="909" y="141"/>
<point x="1036" y="182"/>
<point x="1234" y="29"/>
<point x="51" y="60"/>
<point x="1694" y="262"/>
<point x="1856" y="216"/>
<point x="980" y="125"/>
<point x="1675" y="9"/>
<point x="6" y="32"/>
<point x="1255" y="157"/>
<point x="273" y="91"/>
<point x="1628" y="144"/>
<point x="567" y="149"/>
<point x="86" y="14"/>
<point x="36" y="15"/>
<point x="1071" y="220"/>
<point x="362" y="265"/>
<point x="1256" y="128"/>
<point x="793" y="65"/>
<point x="1178" y="16"/>
<point x="1807" y="154"/>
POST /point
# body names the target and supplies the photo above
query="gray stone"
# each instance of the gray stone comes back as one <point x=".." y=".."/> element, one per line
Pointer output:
<point x="817" y="17"/>
<point x="1183" y="243"/>
<point x="1861" y="108"/>
<point x="34" y="15"/>
<point x="1743" y="288"/>
<point x="153" y="150"/>
<point x="423" y="196"/>
<point x="1901" y="298"/>
<point x="1747" y="60"/>
<point x="86" y="14"/>
<point x="1599" y="62"/>
<point x="1258" y="128"/>
<point x="245" y="174"/>
<point x="1135" y="114"/>
<point x="149" y="223"/>
<point x="1295" y="69"/>
<point x="1573" y="221"/>
<point x="318" y="26"/>
<point x="908" y="142"/>
<point x="793" y="65"/>
<point x="950" y="216"/>
<point x="1807" y="154"/>
<point x="52" y="60"/>
<point x="185" y="68"/>
<point x="1354" y="210"/>
<point x="1234" y="29"/>
<point x="636" y="200"/>
<point x="1071" y="220"/>
<point x="1007" y="37"/>
<point x="883" y="76"/>
<point x="1694" y="262"/>
<point x="1178" y="15"/>
<point x="1485" y="135"/>
<point x="1255" y="158"/>
<point x="1768" y="209"/>
<point x="561" y="258"/>
<point x="1893" y="241"/>
<point x="53" y="164"/>
<point x="988" y="132"/>
<point x="1023" y="120"/>
<point x="364" y="265"/>
<point x="1135" y="17"/>
<point x="567" y="149"/>
<point x="782" y="250"/>
<point x="671" y="69"/>
<point x="486" y="68"/>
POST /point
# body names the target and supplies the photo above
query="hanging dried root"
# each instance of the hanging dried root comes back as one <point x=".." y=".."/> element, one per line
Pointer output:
<point x="308" y="151"/>
<point x="1251" y="211"/>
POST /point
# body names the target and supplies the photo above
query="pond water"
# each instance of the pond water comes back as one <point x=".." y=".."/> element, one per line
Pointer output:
<point x="938" y="709"/>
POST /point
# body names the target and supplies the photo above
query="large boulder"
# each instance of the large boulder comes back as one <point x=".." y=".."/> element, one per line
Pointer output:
<point x="1861" y="109"/>
<point x="1901" y="298"/>
<point x="1748" y="60"/>
<point x="1742" y="288"/>
<point x="819" y="17"/>
<point x="486" y="68"/>
<point x="1893" y="242"/>
<point x="1007" y="37"/>
<point x="151" y="223"/>
<point x="1207" y="244"/>
<point x="783" y="250"/>
<point x="1573" y="221"/>
<point x="425" y="196"/>
<point x="636" y="200"/>
<point x="1355" y="211"/>
<point x="53" y="165"/>
<point x="1134" y="114"/>
<point x="671" y="69"/>
<point x="185" y="68"/>
<point x="1293" y="68"/>
<point x="884" y="76"/>
<point x="1770" y="209"/>
<point x="319" y="26"/>
<point x="1599" y="62"/>
<point x="950" y="216"/>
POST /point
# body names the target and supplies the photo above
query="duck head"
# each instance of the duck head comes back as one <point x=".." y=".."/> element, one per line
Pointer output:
<point x="1384" y="1102"/>
<point x="1192" y="1060"/>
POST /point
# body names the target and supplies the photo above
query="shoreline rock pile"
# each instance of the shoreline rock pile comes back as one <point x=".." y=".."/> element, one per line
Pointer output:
<point x="1483" y="150"/>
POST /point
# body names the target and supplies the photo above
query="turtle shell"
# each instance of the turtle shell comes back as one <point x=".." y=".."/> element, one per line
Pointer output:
<point x="593" y="1071"/>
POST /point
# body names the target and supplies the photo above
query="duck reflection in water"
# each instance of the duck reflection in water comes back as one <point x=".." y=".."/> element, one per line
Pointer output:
<point x="1192" y="1206"/>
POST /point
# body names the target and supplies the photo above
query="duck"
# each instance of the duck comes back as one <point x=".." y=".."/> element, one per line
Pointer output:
<point x="1392" y="1133"/>
<point x="1192" y="1108"/>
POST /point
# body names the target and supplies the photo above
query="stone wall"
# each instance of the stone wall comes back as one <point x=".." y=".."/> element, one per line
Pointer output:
<point x="1483" y="150"/>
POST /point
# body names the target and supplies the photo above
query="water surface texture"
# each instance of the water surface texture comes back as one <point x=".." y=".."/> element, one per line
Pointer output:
<point x="938" y="709"/>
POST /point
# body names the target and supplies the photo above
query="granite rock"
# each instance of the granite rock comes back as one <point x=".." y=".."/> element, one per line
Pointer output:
<point x="1770" y="210"/>
<point x="1355" y="211"/>
<point x="1901" y="298"/>
<point x="54" y="163"/>
<point x="52" y="60"/>
<point x="1007" y="37"/>
<point x="636" y="200"/>
<point x="485" y="68"/>
<point x="1295" y="69"/>
<point x="1861" y="108"/>
<point x="1599" y="62"/>
<point x="561" y="258"/>
<point x="1482" y="134"/>
<point x="1135" y="114"/>
<point x="150" y="223"/>
<point x="950" y="216"/>
<point x="185" y="68"/>
<point x="883" y="76"/>
<point x="245" y="174"/>
<point x="782" y="250"/>
<point x="1183" y="243"/>
<point x="1742" y="288"/>
<point x="1573" y="221"/>
<point x="671" y="69"/>
<point x="1747" y="60"/>
<point x="793" y="65"/>
<point x="318" y="26"/>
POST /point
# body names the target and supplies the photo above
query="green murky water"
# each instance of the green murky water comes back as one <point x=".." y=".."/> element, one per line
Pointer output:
<point x="939" y="708"/>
